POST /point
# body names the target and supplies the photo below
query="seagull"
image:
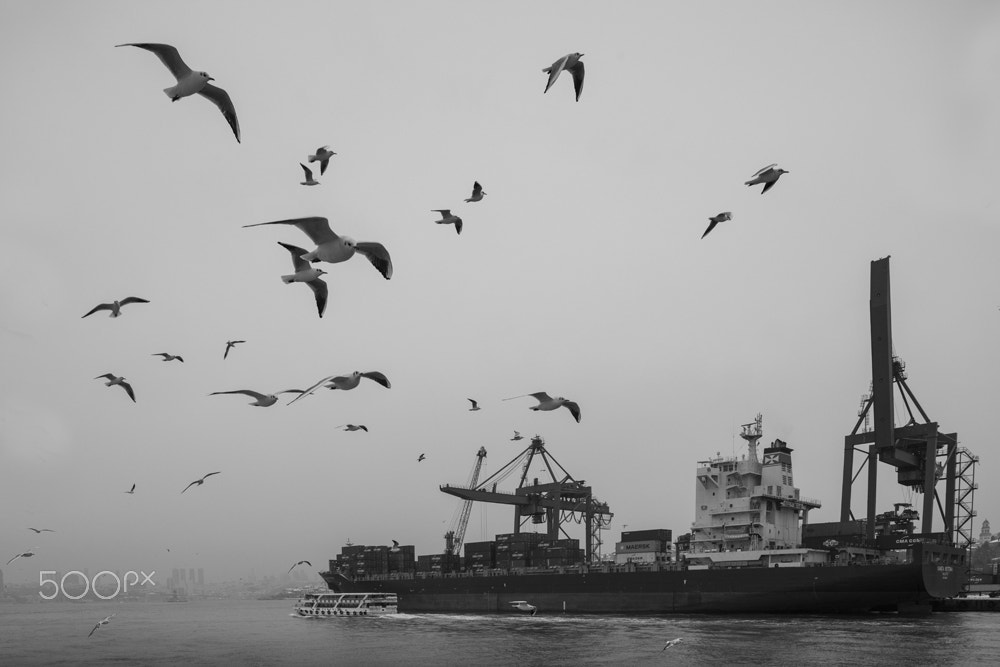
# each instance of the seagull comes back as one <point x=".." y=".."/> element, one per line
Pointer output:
<point x="299" y="563"/>
<point x="421" y="458"/>
<point x="27" y="554"/>
<point x="130" y="491"/>
<point x="448" y="219"/>
<point x="199" y="482"/>
<point x="332" y="248"/>
<point x="517" y="436"/>
<point x="261" y="400"/>
<point x="768" y="176"/>
<point x="168" y="357"/>
<point x="103" y="621"/>
<point x="231" y="344"/>
<point x="523" y="605"/>
<point x="475" y="405"/>
<point x="716" y="219"/>
<point x="190" y="82"/>
<point x="477" y="192"/>
<point x="354" y="427"/>
<point x="395" y="547"/>
<point x="571" y="63"/>
<point x="323" y="155"/>
<point x="41" y="530"/>
<point x="346" y="382"/>
<point x="114" y="379"/>
<point x="546" y="402"/>
<point x="115" y="306"/>
<point x="304" y="273"/>
<point x="672" y="642"/>
<point x="309" y="176"/>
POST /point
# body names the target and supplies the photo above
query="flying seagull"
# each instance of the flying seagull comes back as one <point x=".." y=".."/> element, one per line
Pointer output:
<point x="768" y="176"/>
<point x="130" y="491"/>
<point x="517" y="436"/>
<point x="27" y="554"/>
<point x="323" y="155"/>
<point x="447" y="218"/>
<point x="120" y="381"/>
<point x="199" y="482"/>
<point x="421" y="458"/>
<point x="716" y="219"/>
<point x="116" y="306"/>
<point x="261" y="400"/>
<point x="346" y="382"/>
<point x="477" y="192"/>
<point x="395" y="546"/>
<point x="299" y="563"/>
<point x="475" y="405"/>
<point x="231" y="344"/>
<point x="309" y="176"/>
<point x="190" y="82"/>
<point x="332" y="248"/>
<point x="354" y="427"/>
<point x="168" y="357"/>
<point x="672" y="642"/>
<point x="573" y="65"/>
<point x="41" y="530"/>
<point x="546" y="402"/>
<point x="305" y="273"/>
<point x="103" y="621"/>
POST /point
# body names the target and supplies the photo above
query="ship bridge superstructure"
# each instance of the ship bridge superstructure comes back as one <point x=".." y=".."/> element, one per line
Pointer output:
<point x="748" y="504"/>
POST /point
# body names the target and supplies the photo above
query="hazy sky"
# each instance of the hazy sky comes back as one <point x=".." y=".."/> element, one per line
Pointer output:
<point x="582" y="273"/>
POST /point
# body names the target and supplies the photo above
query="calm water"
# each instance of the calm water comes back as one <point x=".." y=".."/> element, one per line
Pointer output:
<point x="249" y="632"/>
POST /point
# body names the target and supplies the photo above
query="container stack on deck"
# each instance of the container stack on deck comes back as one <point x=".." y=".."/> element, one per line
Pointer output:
<point x="480" y="555"/>
<point x="514" y="549"/>
<point x="644" y="546"/>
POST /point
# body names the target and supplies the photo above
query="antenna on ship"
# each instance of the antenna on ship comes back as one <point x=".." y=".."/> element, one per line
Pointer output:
<point x="753" y="432"/>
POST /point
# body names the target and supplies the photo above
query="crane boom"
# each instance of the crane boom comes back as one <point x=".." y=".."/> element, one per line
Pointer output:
<point x="454" y="538"/>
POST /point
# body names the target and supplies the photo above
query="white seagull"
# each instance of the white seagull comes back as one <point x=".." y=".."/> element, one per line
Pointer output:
<point x="27" y="554"/>
<point x="523" y="605"/>
<point x="447" y="218"/>
<point x="546" y="402"/>
<point x="103" y="621"/>
<point x="131" y="491"/>
<point x="716" y="219"/>
<point x="573" y="65"/>
<point x="346" y="382"/>
<point x="517" y="436"/>
<point x="768" y="176"/>
<point x="120" y="381"/>
<point x="332" y="248"/>
<point x="309" y="176"/>
<point x="395" y="547"/>
<point x="116" y="306"/>
<point x="304" y="273"/>
<point x="231" y="344"/>
<point x="199" y="482"/>
<point x="477" y="192"/>
<point x="260" y="400"/>
<point x="672" y="642"/>
<point x="190" y="82"/>
<point x="168" y="357"/>
<point x="323" y="155"/>
<point x="475" y="405"/>
<point x="354" y="427"/>
<point x="299" y="563"/>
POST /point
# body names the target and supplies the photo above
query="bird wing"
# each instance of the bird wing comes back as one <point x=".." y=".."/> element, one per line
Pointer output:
<point x="168" y="55"/>
<point x="98" y="624"/>
<point x="312" y="388"/>
<point x="133" y="488"/>
<point x="554" y="70"/>
<point x="768" y="186"/>
<point x="309" y="175"/>
<point x="320" y="289"/>
<point x="128" y="390"/>
<point x="577" y="72"/>
<point x="761" y="171"/>
<point x="100" y="306"/>
<point x="220" y="98"/>
<point x="377" y="255"/>
<point x="297" y="262"/>
<point x="378" y="377"/>
<point x="445" y="212"/>
<point x="474" y="404"/>
<point x="363" y="427"/>
<point x="476" y="188"/>
<point x="574" y="410"/>
<point x="289" y="391"/>
<point x="248" y="392"/>
<point x="132" y="299"/>
<point x="210" y="474"/>
<point x="458" y="225"/>
<point x="316" y="228"/>
<point x="541" y="396"/>
<point x="109" y="376"/>
<point x="197" y="481"/>
<point x="711" y="226"/>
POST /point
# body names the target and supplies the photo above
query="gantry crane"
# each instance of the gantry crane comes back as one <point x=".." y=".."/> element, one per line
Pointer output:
<point x="454" y="538"/>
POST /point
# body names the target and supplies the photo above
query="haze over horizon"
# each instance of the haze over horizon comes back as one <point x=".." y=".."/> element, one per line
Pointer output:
<point x="581" y="273"/>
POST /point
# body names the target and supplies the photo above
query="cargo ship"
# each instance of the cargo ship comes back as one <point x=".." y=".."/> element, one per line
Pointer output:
<point x="751" y="548"/>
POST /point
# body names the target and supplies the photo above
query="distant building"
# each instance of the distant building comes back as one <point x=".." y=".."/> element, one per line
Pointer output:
<point x="984" y="532"/>
<point x="201" y="576"/>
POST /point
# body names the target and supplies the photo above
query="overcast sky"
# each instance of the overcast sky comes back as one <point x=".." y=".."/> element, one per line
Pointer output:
<point x="581" y="273"/>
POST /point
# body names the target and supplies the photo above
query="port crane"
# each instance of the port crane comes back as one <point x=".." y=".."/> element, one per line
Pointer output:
<point x="553" y="502"/>
<point x="454" y="538"/>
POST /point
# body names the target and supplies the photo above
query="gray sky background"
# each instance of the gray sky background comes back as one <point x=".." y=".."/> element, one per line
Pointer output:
<point x="582" y="273"/>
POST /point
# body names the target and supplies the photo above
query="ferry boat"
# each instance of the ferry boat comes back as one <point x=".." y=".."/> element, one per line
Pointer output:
<point x="346" y="604"/>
